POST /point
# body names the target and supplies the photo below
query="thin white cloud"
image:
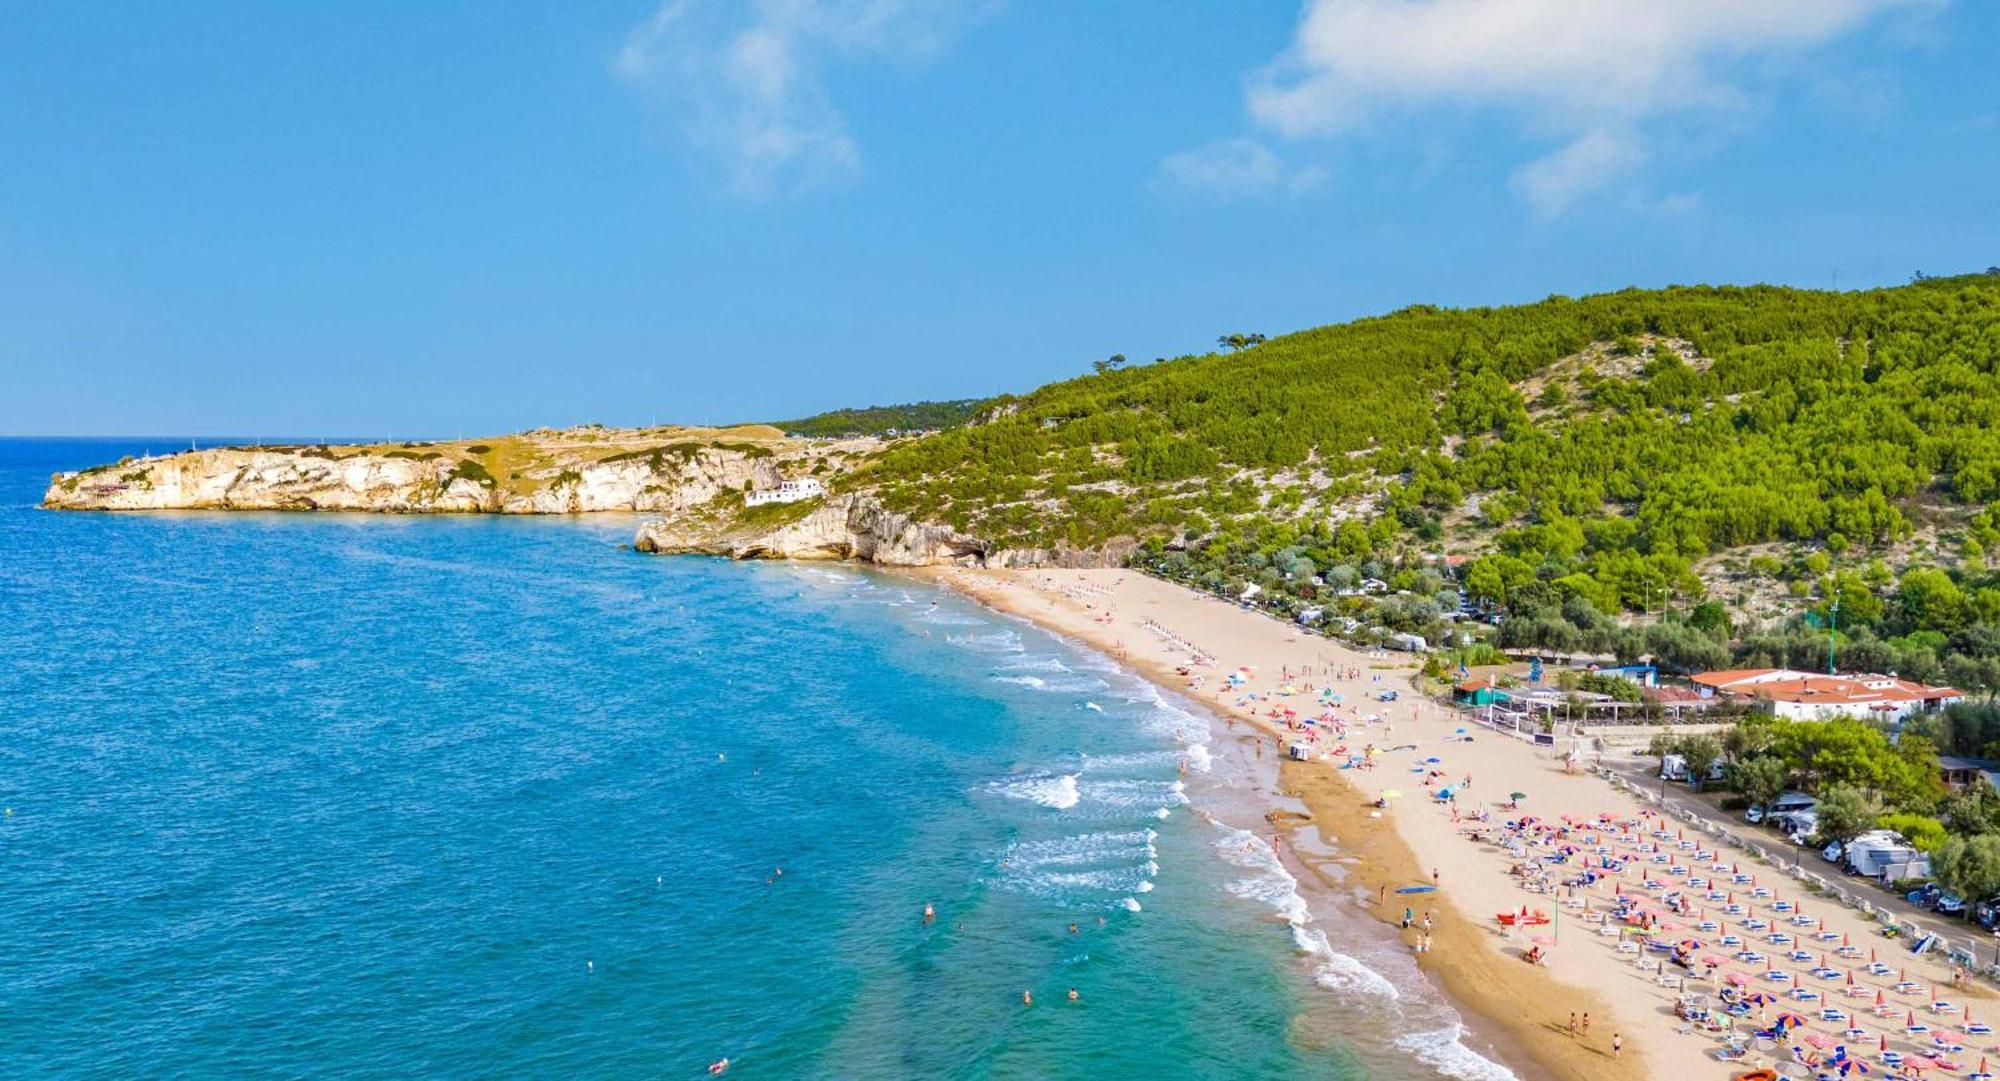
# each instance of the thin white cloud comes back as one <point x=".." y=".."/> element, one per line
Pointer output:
<point x="1554" y="183"/>
<point x="1592" y="77"/>
<point x="746" y="80"/>
<point x="1236" y="169"/>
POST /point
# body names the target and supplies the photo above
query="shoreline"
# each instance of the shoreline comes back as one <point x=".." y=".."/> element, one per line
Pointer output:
<point x="1156" y="629"/>
<point x="1369" y="860"/>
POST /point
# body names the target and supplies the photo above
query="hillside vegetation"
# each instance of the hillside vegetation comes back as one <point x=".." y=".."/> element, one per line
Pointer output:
<point x="1594" y="458"/>
<point x="882" y="419"/>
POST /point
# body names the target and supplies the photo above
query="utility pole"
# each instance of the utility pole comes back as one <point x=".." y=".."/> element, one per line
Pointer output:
<point x="1832" y="631"/>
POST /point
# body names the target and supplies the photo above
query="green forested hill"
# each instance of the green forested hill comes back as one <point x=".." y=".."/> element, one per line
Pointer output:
<point x="882" y="419"/>
<point x="1614" y="452"/>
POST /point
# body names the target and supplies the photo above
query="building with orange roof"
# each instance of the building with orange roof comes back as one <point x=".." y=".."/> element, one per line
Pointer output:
<point x="1806" y="696"/>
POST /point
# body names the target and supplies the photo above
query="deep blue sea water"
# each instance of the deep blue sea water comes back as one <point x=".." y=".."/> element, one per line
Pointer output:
<point x="374" y="796"/>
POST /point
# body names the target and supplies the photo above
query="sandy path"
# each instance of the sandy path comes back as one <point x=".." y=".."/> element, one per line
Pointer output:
<point x="1156" y="627"/>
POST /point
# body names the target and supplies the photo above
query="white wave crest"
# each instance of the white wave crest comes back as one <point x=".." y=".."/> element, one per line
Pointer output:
<point x="1058" y="791"/>
<point x="1337" y="971"/>
<point x="1035" y="663"/>
<point x="1445" y="1051"/>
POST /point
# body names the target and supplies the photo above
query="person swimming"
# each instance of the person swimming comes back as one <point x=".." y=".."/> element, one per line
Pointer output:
<point x="719" y="1065"/>
<point x="1027" y="998"/>
<point x="930" y="914"/>
<point x="1072" y="994"/>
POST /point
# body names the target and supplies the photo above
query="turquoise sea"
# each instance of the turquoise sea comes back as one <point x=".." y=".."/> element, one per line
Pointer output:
<point x="372" y="796"/>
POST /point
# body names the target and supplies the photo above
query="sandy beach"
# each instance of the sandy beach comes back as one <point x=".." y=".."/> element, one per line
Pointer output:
<point x="1190" y="644"/>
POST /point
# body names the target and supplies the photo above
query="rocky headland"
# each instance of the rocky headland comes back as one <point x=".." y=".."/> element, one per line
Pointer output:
<point x="567" y="471"/>
<point x="693" y="479"/>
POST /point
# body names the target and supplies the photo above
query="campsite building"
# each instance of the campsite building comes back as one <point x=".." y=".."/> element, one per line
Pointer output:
<point x="1804" y="696"/>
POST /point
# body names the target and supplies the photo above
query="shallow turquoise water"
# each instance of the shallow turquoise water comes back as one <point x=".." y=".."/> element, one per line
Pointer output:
<point x="311" y="796"/>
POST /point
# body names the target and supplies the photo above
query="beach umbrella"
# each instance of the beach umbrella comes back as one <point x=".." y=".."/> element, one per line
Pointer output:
<point x="1517" y="796"/>
<point x="1848" y="1065"/>
<point x="1433" y="760"/>
<point x="1819" y="1039"/>
<point x="1982" y="1075"/>
<point x="1390" y="793"/>
<point x="1788" y="1021"/>
<point x="1543" y="940"/>
<point x="1878" y="996"/>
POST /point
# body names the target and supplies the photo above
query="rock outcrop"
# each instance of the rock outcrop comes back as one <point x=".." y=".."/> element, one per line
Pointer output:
<point x="849" y="526"/>
<point x="537" y="473"/>
<point x="853" y="526"/>
<point x="692" y="478"/>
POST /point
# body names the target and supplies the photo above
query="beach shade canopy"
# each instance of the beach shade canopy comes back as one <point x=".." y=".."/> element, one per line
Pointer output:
<point x="1390" y="793"/>
<point x="1517" y="795"/>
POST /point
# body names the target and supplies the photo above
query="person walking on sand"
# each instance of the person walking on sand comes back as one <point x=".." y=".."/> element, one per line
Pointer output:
<point x="1572" y="1026"/>
<point x="1586" y="1022"/>
<point x="1617" y="1045"/>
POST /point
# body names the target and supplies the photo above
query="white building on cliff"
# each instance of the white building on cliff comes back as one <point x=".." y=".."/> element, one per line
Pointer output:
<point x="787" y="491"/>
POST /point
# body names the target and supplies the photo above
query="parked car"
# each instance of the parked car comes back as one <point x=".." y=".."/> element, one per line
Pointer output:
<point x="1754" y="815"/>
<point x="1987" y="913"/>
<point x="1831" y="853"/>
<point x="1948" y="904"/>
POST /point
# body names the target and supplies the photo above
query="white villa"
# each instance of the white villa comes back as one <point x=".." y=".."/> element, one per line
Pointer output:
<point x="787" y="491"/>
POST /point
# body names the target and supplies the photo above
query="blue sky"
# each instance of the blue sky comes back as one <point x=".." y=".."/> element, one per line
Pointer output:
<point x="403" y="219"/>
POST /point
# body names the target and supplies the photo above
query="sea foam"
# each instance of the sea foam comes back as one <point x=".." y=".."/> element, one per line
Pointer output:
<point x="1445" y="1051"/>
<point x="1057" y="791"/>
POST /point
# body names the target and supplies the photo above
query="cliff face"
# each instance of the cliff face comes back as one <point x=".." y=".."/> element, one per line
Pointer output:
<point x="539" y="473"/>
<point x="851" y="526"/>
<point x="690" y="477"/>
